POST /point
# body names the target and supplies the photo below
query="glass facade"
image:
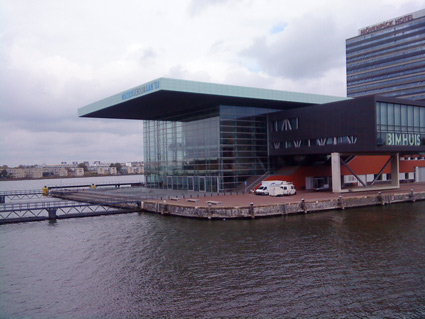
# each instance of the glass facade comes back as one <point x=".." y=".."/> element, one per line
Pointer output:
<point x="389" y="61"/>
<point x="400" y="125"/>
<point x="213" y="150"/>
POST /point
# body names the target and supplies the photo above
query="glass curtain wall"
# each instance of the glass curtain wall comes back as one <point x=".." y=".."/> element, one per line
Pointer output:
<point x="211" y="151"/>
<point x="243" y="142"/>
<point x="399" y="124"/>
<point x="176" y="150"/>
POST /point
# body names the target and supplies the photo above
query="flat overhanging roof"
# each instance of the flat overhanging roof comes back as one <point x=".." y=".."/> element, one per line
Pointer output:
<point x="166" y="98"/>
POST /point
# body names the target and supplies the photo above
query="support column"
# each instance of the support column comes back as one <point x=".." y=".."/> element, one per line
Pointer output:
<point x="336" y="172"/>
<point x="395" y="170"/>
<point x="52" y="213"/>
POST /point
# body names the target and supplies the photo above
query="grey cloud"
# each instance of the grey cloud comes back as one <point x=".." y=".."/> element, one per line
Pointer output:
<point x="197" y="6"/>
<point x="179" y="72"/>
<point x="141" y="54"/>
<point x="307" y="48"/>
<point x="80" y="125"/>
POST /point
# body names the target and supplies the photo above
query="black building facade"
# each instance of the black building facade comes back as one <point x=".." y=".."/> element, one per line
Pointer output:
<point x="366" y="125"/>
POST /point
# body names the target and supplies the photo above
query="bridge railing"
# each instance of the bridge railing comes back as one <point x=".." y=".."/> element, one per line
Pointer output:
<point x="33" y="211"/>
<point x="62" y="204"/>
<point x="21" y="192"/>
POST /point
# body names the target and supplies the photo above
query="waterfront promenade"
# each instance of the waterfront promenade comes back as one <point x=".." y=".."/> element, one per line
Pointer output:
<point x="239" y="200"/>
<point x="231" y="205"/>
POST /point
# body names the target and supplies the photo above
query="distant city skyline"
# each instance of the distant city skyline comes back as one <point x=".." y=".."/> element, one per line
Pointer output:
<point x="73" y="163"/>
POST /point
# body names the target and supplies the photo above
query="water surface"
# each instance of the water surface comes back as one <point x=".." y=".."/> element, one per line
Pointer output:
<point x="353" y="263"/>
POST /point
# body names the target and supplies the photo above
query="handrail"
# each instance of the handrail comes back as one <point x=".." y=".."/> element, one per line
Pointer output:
<point x="62" y="204"/>
<point x="38" y="191"/>
<point x="256" y="181"/>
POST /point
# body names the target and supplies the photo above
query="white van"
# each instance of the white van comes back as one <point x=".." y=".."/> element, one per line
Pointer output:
<point x="266" y="186"/>
<point x="285" y="189"/>
<point x="262" y="190"/>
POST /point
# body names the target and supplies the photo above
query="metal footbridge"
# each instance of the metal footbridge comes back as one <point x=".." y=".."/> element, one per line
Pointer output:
<point x="18" y="195"/>
<point x="37" y="211"/>
<point x="80" y="206"/>
<point x="31" y="194"/>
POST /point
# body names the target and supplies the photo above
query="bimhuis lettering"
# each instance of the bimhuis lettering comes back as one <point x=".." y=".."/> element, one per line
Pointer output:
<point x="400" y="139"/>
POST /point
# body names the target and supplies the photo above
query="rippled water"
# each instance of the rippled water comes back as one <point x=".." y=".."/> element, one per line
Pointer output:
<point x="353" y="263"/>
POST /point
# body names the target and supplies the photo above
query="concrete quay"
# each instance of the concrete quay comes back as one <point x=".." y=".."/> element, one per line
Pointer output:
<point x="220" y="206"/>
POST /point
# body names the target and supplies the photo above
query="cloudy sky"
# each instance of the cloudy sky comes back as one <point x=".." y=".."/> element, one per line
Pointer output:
<point x="57" y="56"/>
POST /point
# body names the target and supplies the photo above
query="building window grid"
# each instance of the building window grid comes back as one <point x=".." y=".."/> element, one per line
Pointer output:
<point x="176" y="158"/>
<point x="388" y="70"/>
<point x="385" y="64"/>
<point x="376" y="88"/>
<point x="376" y="44"/>
<point x="402" y="75"/>
<point x="375" y="52"/>
<point x="394" y="57"/>
<point x="414" y="93"/>
<point x="389" y="43"/>
<point x="385" y="48"/>
<point x="400" y="118"/>
<point x="390" y="82"/>
<point x="377" y="58"/>
<point x="385" y="61"/>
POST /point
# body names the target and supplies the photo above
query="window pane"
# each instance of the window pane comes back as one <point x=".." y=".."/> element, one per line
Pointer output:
<point x="378" y="113"/>
<point x="384" y="113"/>
<point x="416" y="116"/>
<point x="404" y="115"/>
<point x="390" y="114"/>
<point x="410" y="115"/>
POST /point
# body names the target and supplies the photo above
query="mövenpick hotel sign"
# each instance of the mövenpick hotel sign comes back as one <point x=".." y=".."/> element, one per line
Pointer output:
<point x="392" y="22"/>
<point x="386" y="24"/>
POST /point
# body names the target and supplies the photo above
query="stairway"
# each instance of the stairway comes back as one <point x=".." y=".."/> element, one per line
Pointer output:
<point x="251" y="182"/>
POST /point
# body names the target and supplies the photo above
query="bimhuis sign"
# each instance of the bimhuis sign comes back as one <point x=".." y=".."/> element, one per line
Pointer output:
<point x="403" y="139"/>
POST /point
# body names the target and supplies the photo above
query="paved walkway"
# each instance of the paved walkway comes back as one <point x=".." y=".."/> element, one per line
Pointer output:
<point x="242" y="200"/>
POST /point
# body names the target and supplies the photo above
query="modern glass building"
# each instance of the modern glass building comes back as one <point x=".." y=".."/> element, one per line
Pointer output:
<point x="212" y="137"/>
<point x="388" y="58"/>
<point x="213" y="149"/>
<point x="202" y="136"/>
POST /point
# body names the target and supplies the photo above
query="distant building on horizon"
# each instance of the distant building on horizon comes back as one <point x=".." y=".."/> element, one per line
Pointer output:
<point x="388" y="58"/>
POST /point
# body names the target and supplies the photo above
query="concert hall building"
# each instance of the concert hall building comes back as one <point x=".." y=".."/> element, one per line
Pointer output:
<point x="214" y="137"/>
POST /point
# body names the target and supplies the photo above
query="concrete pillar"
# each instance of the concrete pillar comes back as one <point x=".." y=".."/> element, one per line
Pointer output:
<point x="395" y="170"/>
<point x="303" y="206"/>
<point x="341" y="202"/>
<point x="336" y="172"/>
<point x="52" y="213"/>
<point x="164" y="208"/>
<point x="209" y="212"/>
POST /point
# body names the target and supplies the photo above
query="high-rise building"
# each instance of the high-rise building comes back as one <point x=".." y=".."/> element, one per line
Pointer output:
<point x="388" y="58"/>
